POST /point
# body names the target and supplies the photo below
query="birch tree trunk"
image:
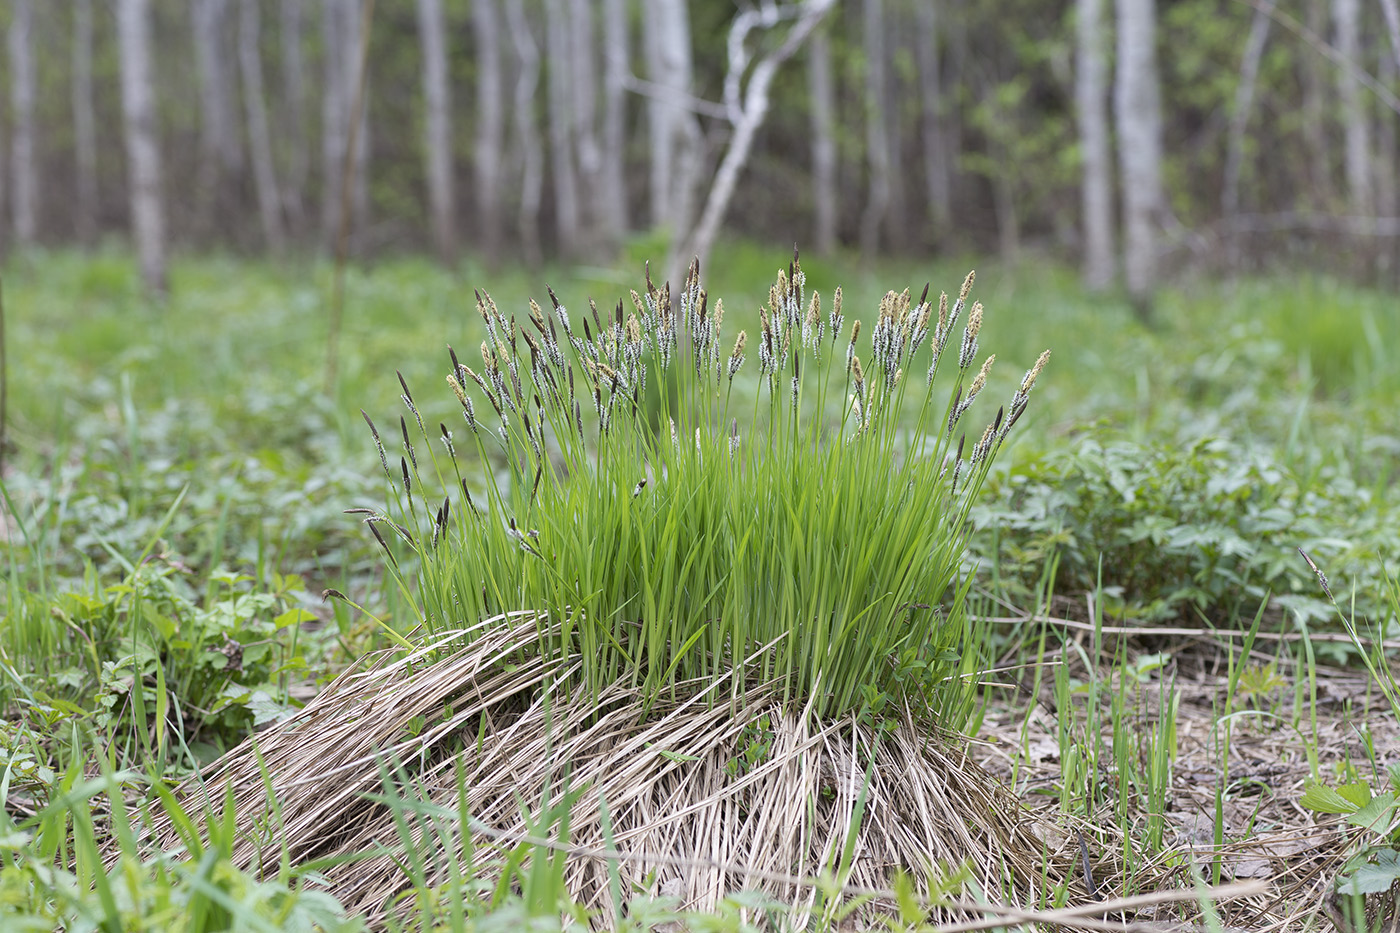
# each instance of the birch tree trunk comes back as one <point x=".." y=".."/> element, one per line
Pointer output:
<point x="142" y="153"/>
<point x="1137" y="105"/>
<point x="526" y="131"/>
<point x="752" y="109"/>
<point x="259" y="136"/>
<point x="84" y="124"/>
<point x="220" y="156"/>
<point x="293" y="114"/>
<point x="342" y="149"/>
<point x="1091" y="100"/>
<point x="892" y="81"/>
<point x="1239" y="121"/>
<point x="584" y="81"/>
<point x="876" y="129"/>
<point x="1346" y="17"/>
<point x="561" y="126"/>
<point x="335" y="106"/>
<point x="937" y="176"/>
<point x="823" y="94"/>
<point x="23" y="81"/>
<point x="490" y="126"/>
<point x="437" y="142"/>
<point x="357" y="72"/>
<point x="612" y="184"/>
<point x="674" y="130"/>
<point x="1315" y="104"/>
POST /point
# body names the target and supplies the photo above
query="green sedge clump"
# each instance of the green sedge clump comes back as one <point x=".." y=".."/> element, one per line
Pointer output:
<point x="669" y="528"/>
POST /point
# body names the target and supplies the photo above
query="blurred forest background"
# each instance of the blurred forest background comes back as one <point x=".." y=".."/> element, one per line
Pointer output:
<point x="1135" y="138"/>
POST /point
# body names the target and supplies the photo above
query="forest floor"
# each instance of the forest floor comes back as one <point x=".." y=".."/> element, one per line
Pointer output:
<point x="1167" y="676"/>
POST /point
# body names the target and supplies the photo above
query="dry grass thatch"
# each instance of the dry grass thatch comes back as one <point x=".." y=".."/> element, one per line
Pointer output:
<point x="688" y="822"/>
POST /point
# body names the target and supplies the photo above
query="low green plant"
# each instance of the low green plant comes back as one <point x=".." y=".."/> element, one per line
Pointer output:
<point x="815" y="532"/>
<point x="1194" y="528"/>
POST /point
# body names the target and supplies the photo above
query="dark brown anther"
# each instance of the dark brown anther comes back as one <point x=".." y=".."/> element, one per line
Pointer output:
<point x="552" y="297"/>
<point x="924" y="297"/>
<point x="406" y="394"/>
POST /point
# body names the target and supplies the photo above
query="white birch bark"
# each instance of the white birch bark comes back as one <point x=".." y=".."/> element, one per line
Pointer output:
<point x="1346" y="18"/>
<point x="752" y="109"/>
<point x="1386" y="164"/>
<point x="489" y="137"/>
<point x="1239" y="119"/>
<point x="437" y="142"/>
<point x="1320" y="191"/>
<point x="674" y="130"/>
<point x="344" y="96"/>
<point x="357" y="71"/>
<point x="561" y="126"/>
<point x="612" y="184"/>
<point x="293" y="113"/>
<point x="876" y="131"/>
<point x="527" y="132"/>
<point x="584" y="82"/>
<point x="823" y="93"/>
<point x="84" y="124"/>
<point x="219" y="152"/>
<point x="142" y="152"/>
<point x="1091" y="102"/>
<point x="23" y="81"/>
<point x="937" y="176"/>
<point x="335" y="107"/>
<point x="259" y="134"/>
<point x="1137" y="106"/>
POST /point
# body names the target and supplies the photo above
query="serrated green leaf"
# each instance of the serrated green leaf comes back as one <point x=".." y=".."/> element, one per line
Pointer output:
<point x="1378" y="815"/>
<point x="1323" y="799"/>
<point x="1373" y="877"/>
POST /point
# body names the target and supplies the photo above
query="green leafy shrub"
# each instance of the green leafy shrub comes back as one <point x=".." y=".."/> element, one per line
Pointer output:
<point x="678" y="539"/>
<point x="1205" y="525"/>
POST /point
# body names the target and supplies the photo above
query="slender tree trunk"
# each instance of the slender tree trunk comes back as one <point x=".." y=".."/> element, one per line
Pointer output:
<point x="1392" y="27"/>
<point x="675" y="133"/>
<point x="750" y="118"/>
<point x="585" y="105"/>
<point x="357" y="72"/>
<point x="23" y="82"/>
<point x="1387" y="195"/>
<point x="612" y="184"/>
<point x="1091" y="100"/>
<point x="561" y="126"/>
<point x="259" y="135"/>
<point x="1346" y="16"/>
<point x="84" y="124"/>
<point x="490" y="126"/>
<point x="294" y="114"/>
<point x="935" y="151"/>
<point x="437" y="142"/>
<point x="896" y="215"/>
<point x="1315" y="105"/>
<point x="876" y="130"/>
<point x="1137" y="102"/>
<point x="823" y="93"/>
<point x="335" y="107"/>
<point x="220" y="156"/>
<point x="526" y="131"/>
<point x="1239" y="121"/>
<point x="142" y="153"/>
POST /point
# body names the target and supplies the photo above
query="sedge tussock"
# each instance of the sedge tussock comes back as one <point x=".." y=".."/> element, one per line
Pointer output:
<point x="692" y="811"/>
